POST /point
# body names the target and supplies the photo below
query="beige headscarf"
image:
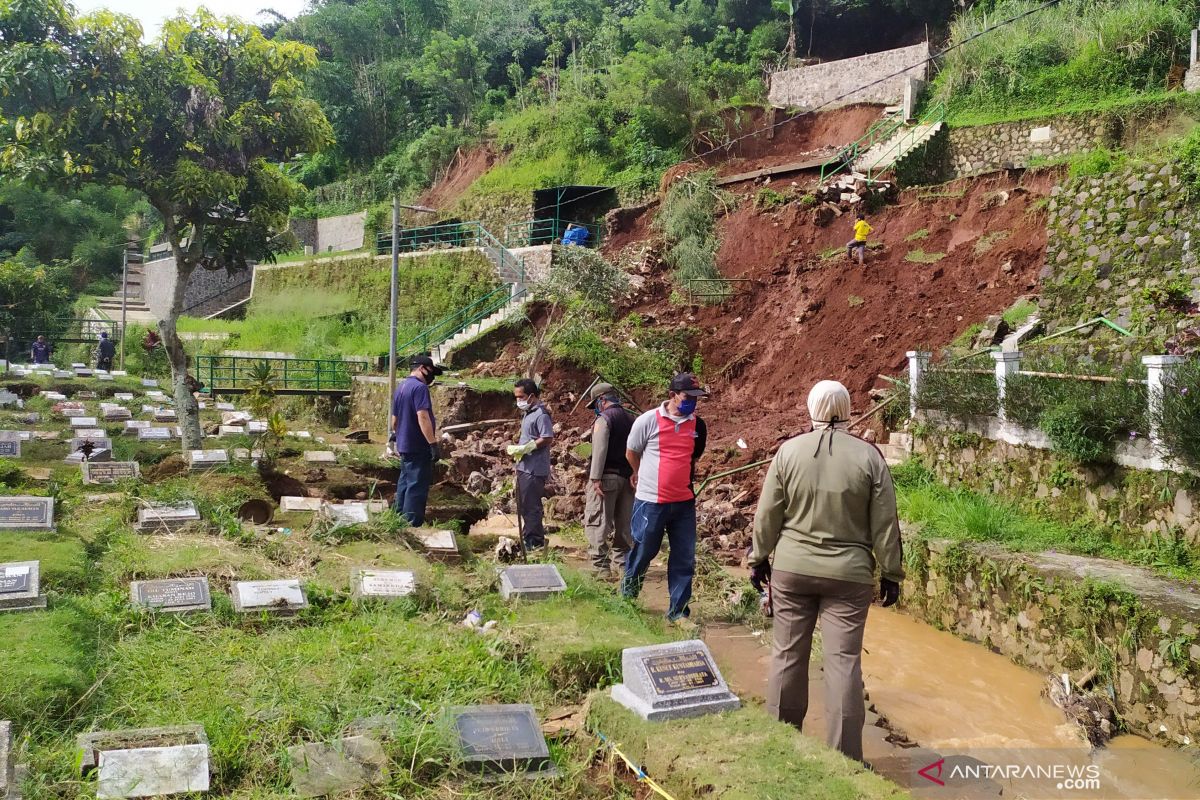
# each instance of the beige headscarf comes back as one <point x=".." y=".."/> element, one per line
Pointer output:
<point x="829" y="401"/>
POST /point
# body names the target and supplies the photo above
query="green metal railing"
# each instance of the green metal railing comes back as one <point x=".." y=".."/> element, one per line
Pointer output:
<point x="62" y="329"/>
<point x="509" y="267"/>
<point x="458" y="321"/>
<point x="935" y="114"/>
<point x="234" y="374"/>
<point x="547" y="231"/>
<point x="879" y="132"/>
<point x="712" y="288"/>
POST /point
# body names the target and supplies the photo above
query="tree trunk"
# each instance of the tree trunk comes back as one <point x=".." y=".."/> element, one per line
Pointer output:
<point x="186" y="407"/>
<point x="790" y="47"/>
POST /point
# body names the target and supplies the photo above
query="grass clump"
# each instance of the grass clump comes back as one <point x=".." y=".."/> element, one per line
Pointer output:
<point x="917" y="235"/>
<point x="919" y="256"/>
<point x="986" y="242"/>
<point x="958" y="393"/>
<point x="1019" y="313"/>
<point x="687" y="221"/>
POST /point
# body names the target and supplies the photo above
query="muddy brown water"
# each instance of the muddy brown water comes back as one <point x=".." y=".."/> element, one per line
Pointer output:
<point x="950" y="697"/>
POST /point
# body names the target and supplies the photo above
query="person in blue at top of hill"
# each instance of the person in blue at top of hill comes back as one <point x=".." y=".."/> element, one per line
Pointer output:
<point x="575" y="235"/>
<point x="415" y="432"/>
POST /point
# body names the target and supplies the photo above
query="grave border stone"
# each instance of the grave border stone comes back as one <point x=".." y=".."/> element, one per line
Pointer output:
<point x="93" y="747"/>
<point x="48" y="516"/>
<point x="31" y="598"/>
<point x="535" y="758"/>
<point x="136" y="590"/>
<point x="359" y="576"/>
<point x="510" y="588"/>
<point x="436" y="552"/>
<point x="277" y="610"/>
<point x="642" y="692"/>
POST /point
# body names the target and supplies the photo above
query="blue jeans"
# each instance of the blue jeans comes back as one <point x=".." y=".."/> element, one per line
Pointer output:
<point x="650" y="522"/>
<point x="412" y="487"/>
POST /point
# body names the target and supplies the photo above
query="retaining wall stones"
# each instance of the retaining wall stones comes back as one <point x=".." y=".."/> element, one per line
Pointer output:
<point x="1059" y="613"/>
<point x="208" y="291"/>
<point x="1113" y="243"/>
<point x="330" y="234"/>
<point x="1142" y="502"/>
<point x="811" y="86"/>
<point x="986" y="148"/>
<point x="369" y="404"/>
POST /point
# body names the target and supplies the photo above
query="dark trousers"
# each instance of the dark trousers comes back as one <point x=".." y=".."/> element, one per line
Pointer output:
<point x="412" y="487"/>
<point x="531" y="489"/>
<point x="104" y="362"/>
<point x="798" y="600"/>
<point x="650" y="522"/>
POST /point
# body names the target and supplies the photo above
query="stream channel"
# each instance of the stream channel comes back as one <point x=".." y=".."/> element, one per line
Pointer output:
<point x="941" y="697"/>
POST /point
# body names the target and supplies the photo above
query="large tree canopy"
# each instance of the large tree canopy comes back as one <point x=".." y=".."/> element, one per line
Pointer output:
<point x="198" y="121"/>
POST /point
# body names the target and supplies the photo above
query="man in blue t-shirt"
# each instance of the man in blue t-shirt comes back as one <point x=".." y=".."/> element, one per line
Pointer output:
<point x="40" y="352"/>
<point x="415" y="432"/>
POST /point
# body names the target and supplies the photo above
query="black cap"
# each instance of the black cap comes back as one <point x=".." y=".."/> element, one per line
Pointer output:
<point x="686" y="382"/>
<point x="425" y="361"/>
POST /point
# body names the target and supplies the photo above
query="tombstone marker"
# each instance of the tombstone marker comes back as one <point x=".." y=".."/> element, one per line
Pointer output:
<point x="366" y="582"/>
<point x="20" y="588"/>
<point x="347" y="763"/>
<point x="166" y="517"/>
<point x="154" y="434"/>
<point x="172" y="595"/>
<point x="147" y="762"/>
<point x="256" y="426"/>
<point x="25" y="513"/>
<point x="165" y="415"/>
<point x="231" y="430"/>
<point x="200" y="460"/>
<point x="149" y="384"/>
<point x="118" y="414"/>
<point x="89" y="433"/>
<point x="283" y="597"/>
<point x="672" y="681"/>
<point x="8" y="783"/>
<point x="439" y="544"/>
<point x="502" y="739"/>
<point x="288" y="503"/>
<point x="10" y="444"/>
<point x="320" y="457"/>
<point x="110" y="472"/>
<point x="132" y="426"/>
<point x="342" y="516"/>
<point x="531" y="581"/>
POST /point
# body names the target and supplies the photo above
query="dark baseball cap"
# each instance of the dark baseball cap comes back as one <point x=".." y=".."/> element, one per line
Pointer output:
<point x="686" y="382"/>
<point x="425" y="361"/>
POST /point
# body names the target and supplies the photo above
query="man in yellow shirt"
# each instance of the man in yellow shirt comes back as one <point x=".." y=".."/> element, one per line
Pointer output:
<point x="859" y="242"/>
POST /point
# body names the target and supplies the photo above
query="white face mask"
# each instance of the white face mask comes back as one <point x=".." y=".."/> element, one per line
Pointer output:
<point x="523" y="405"/>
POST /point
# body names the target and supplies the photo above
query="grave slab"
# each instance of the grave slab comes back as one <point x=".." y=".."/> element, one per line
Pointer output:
<point x="256" y="426"/>
<point x="110" y="472"/>
<point x="8" y="399"/>
<point x="84" y="422"/>
<point x="10" y="444"/>
<point x="172" y="595"/>
<point x="531" y="581"/>
<point x="8" y="785"/>
<point x="499" y="740"/>
<point x="155" y="434"/>
<point x="166" y="517"/>
<point x="343" y="765"/>
<point x="320" y="456"/>
<point x="225" y="407"/>
<point x="440" y="545"/>
<point x="124" y="396"/>
<point x="119" y="373"/>
<point x="149" y="384"/>
<point x="245" y="454"/>
<point x="391" y="584"/>
<point x="372" y="506"/>
<point x="341" y="516"/>
<point x="200" y="460"/>
<point x="289" y="503"/>
<point x="231" y="430"/>
<point x="132" y="426"/>
<point x="672" y="681"/>
<point x="118" y="414"/>
<point x="147" y="762"/>
<point x="276" y="597"/>
<point x="32" y="418"/>
<point x="165" y="415"/>
<point x="24" y="513"/>
<point x="20" y="587"/>
<point x="89" y="433"/>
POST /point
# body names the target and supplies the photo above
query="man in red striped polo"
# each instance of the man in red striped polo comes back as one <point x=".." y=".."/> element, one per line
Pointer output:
<point x="663" y="447"/>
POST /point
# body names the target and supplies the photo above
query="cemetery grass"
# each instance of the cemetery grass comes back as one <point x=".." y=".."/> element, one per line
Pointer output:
<point x="260" y="684"/>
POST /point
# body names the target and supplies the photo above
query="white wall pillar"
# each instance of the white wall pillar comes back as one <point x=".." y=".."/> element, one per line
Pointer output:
<point x="1195" y="45"/>
<point x="1007" y="363"/>
<point x="917" y="362"/>
<point x="1156" y="372"/>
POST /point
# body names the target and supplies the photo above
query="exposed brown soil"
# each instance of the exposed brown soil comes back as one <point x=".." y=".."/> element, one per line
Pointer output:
<point x="465" y="168"/>
<point x="791" y="141"/>
<point x="807" y="313"/>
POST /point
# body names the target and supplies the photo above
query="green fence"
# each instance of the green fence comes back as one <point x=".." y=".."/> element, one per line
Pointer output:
<point x="509" y="267"/>
<point x="549" y="231"/>
<point x="237" y="374"/>
<point x="458" y="321"/>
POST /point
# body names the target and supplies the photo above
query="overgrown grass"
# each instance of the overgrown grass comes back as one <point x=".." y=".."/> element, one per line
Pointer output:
<point x="942" y="512"/>
<point x="917" y="235"/>
<point x="919" y="256"/>
<point x="1061" y="58"/>
<point x="1019" y="313"/>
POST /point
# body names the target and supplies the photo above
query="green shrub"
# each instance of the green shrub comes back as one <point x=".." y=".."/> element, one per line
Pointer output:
<point x="919" y="256"/>
<point x="687" y="221"/>
<point x="1178" y="416"/>
<point x="1115" y="408"/>
<point x="958" y="392"/>
<point x="911" y="474"/>
<point x="1076" y="433"/>
<point x="768" y="199"/>
<point x="1097" y="162"/>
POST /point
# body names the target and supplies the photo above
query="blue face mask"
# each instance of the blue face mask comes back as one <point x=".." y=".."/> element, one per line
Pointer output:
<point x="687" y="406"/>
<point x="596" y="410"/>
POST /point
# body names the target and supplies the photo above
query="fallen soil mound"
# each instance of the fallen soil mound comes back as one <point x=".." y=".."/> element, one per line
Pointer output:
<point x="464" y="169"/>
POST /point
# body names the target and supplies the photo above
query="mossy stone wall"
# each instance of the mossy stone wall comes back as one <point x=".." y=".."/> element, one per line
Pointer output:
<point x="1139" y="633"/>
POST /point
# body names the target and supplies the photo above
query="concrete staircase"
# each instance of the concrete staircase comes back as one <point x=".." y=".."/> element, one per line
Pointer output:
<point x="897" y="449"/>
<point x="503" y="314"/>
<point x="136" y="309"/>
<point x="890" y="152"/>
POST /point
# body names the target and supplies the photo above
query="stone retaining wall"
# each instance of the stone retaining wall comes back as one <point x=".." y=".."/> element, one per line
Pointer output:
<point x="987" y="148"/>
<point x="1041" y="481"/>
<point x="208" y="291"/>
<point x="369" y="405"/>
<point x="816" y="85"/>
<point x="1059" y="613"/>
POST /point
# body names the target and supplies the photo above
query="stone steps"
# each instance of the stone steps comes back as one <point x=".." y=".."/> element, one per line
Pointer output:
<point x="887" y="154"/>
<point x="505" y="313"/>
